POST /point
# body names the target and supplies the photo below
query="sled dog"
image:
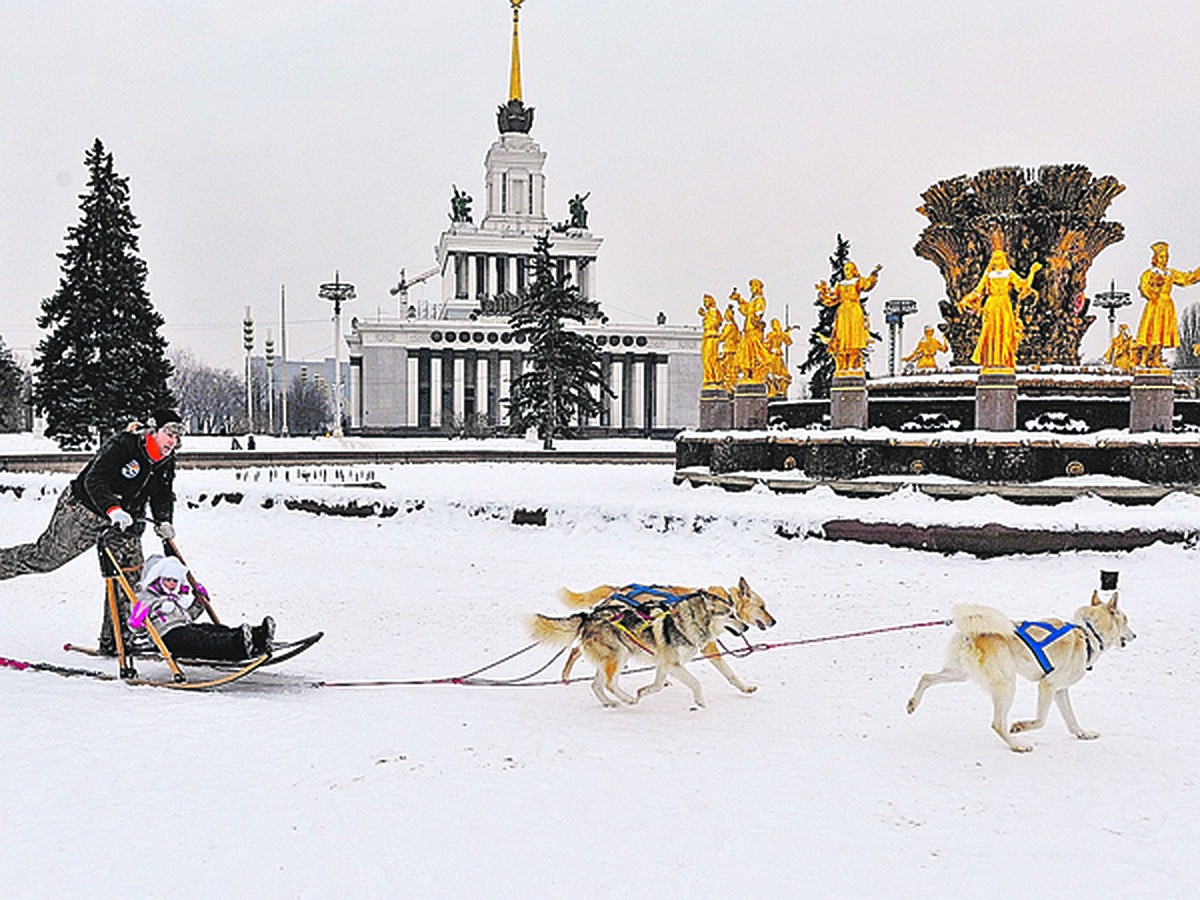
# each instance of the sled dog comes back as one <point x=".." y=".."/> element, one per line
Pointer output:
<point x="993" y="650"/>
<point x="668" y="624"/>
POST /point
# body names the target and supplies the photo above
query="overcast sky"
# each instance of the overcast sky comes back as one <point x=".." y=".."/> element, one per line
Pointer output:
<point x="274" y="143"/>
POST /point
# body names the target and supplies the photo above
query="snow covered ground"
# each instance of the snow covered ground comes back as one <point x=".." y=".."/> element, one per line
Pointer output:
<point x="819" y="784"/>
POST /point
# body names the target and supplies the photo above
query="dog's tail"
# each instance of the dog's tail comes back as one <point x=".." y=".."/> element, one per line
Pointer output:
<point x="974" y="620"/>
<point x="585" y="599"/>
<point x="551" y="630"/>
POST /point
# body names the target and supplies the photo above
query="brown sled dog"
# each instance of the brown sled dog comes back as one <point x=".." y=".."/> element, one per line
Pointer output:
<point x="668" y="624"/>
<point x="992" y="649"/>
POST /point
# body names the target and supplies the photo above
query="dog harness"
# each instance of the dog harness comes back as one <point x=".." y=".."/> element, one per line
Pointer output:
<point x="1036" y="647"/>
<point x="662" y="597"/>
<point x="641" y="614"/>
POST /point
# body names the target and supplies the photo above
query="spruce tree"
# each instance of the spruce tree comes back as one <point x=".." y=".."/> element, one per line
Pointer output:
<point x="103" y="362"/>
<point x="819" y="360"/>
<point x="562" y="367"/>
<point x="12" y="383"/>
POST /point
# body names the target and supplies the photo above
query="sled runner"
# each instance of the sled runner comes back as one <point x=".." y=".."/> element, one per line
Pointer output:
<point x="281" y="651"/>
<point x="74" y="672"/>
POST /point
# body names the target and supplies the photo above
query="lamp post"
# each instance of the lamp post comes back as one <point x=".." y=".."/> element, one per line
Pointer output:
<point x="248" y="344"/>
<point x="270" y="383"/>
<point x="337" y="292"/>
<point x="1112" y="300"/>
<point x="894" y="311"/>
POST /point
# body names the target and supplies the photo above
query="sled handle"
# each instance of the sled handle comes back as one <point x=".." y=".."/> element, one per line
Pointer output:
<point x="173" y="549"/>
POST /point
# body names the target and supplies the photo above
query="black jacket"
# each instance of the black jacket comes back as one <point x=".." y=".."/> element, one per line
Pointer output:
<point x="123" y="474"/>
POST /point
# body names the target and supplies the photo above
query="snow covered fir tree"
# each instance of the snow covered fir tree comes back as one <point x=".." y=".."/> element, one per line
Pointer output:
<point x="563" y="380"/>
<point x="12" y="390"/>
<point x="103" y="361"/>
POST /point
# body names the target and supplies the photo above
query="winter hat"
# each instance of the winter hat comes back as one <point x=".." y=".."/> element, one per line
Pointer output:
<point x="168" y="420"/>
<point x="164" y="567"/>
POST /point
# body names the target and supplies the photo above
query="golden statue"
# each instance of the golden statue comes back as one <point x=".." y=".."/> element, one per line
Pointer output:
<point x="1002" y="329"/>
<point x="926" y="351"/>
<point x="731" y="336"/>
<point x="1158" y="327"/>
<point x="1121" y="353"/>
<point x="850" y="334"/>
<point x="710" y="341"/>
<point x="753" y="360"/>
<point x="778" y="377"/>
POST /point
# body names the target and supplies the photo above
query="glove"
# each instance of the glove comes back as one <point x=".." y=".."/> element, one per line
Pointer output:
<point x="165" y="530"/>
<point x="120" y="518"/>
<point x="201" y="591"/>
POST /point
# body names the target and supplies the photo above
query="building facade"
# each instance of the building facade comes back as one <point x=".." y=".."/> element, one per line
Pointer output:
<point x="440" y="363"/>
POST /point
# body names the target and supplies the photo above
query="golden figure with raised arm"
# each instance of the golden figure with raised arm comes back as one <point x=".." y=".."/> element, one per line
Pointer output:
<point x="1002" y="329"/>
<point x="926" y="351"/>
<point x="1158" y="327"/>
<point x="850" y="334"/>
<point x="710" y="341"/>
<point x="753" y="359"/>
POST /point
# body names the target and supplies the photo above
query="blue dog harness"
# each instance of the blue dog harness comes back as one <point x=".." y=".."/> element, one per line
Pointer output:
<point x="662" y="596"/>
<point x="1036" y="647"/>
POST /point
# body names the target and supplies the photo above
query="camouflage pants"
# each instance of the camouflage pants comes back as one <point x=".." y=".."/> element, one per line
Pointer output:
<point x="73" y="529"/>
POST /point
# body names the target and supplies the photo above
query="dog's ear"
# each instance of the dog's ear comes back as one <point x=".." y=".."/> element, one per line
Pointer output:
<point x="743" y="587"/>
<point x="1095" y="598"/>
<point x="1112" y="604"/>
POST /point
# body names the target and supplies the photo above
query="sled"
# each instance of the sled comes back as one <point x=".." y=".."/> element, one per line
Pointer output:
<point x="281" y="651"/>
<point x="232" y="670"/>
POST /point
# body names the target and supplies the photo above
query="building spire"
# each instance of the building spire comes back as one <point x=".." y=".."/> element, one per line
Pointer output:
<point x="514" y="116"/>
<point x="514" y="77"/>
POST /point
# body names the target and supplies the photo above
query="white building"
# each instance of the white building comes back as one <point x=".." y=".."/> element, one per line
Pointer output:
<point x="454" y="358"/>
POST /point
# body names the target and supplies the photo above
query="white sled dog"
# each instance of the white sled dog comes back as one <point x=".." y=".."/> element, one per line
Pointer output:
<point x="668" y="624"/>
<point x="993" y="649"/>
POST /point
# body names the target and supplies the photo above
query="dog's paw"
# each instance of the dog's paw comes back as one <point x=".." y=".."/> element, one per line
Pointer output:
<point x="911" y="705"/>
<point x="1087" y="735"/>
<point x="748" y="688"/>
<point x="1023" y="725"/>
<point x="1021" y="748"/>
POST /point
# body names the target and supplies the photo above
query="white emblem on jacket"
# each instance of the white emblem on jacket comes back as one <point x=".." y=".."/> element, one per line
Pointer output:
<point x="131" y="469"/>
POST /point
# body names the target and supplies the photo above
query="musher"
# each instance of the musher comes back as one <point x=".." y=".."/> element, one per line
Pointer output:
<point x="130" y="470"/>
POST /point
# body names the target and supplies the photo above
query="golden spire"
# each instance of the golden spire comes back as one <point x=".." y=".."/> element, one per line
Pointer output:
<point x="514" y="78"/>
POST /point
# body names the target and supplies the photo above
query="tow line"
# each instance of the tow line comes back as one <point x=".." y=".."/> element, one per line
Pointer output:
<point x="473" y="679"/>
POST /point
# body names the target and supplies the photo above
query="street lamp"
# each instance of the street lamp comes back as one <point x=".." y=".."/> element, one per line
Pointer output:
<point x="337" y="292"/>
<point x="248" y="344"/>
<point x="270" y="383"/>
<point x="1112" y="300"/>
<point x="894" y="311"/>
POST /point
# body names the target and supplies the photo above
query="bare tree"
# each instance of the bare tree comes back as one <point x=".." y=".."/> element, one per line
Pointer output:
<point x="309" y="407"/>
<point x="1189" y="336"/>
<point x="210" y="400"/>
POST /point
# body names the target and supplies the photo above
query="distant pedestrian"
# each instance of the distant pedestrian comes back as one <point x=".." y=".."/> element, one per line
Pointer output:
<point x="130" y="470"/>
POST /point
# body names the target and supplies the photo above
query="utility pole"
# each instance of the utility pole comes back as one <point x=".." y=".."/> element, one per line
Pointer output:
<point x="283" y="356"/>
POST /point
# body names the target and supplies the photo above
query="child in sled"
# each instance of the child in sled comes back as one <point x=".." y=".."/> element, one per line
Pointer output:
<point x="167" y="600"/>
